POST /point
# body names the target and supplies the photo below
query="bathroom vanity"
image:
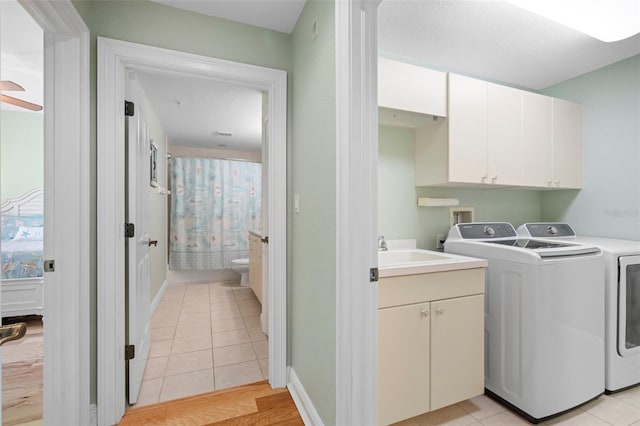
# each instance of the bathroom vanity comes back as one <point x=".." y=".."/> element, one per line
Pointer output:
<point x="430" y="332"/>
<point x="255" y="264"/>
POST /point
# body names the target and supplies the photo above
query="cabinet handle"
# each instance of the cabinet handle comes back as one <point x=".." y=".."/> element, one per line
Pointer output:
<point x="425" y="313"/>
<point x="549" y="182"/>
<point x="557" y="182"/>
<point x="494" y="178"/>
<point x="484" y="178"/>
<point x="440" y="310"/>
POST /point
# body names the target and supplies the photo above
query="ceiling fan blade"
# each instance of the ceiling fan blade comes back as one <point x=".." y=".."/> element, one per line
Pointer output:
<point x="20" y="103"/>
<point x="10" y="85"/>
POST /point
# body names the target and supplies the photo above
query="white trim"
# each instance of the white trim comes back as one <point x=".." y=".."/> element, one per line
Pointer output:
<point x="113" y="58"/>
<point x="356" y="211"/>
<point x="158" y="298"/>
<point x="303" y="402"/>
<point x="93" y="415"/>
<point x="67" y="211"/>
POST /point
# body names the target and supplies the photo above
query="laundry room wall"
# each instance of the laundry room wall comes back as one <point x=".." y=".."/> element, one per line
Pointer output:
<point x="609" y="203"/>
<point x="400" y="217"/>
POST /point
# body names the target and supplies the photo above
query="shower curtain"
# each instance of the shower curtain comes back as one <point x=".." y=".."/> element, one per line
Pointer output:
<point x="214" y="204"/>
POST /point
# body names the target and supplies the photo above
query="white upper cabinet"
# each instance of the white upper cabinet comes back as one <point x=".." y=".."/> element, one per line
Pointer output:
<point x="552" y="142"/>
<point x="536" y="139"/>
<point x="467" y="130"/>
<point x="567" y="145"/>
<point x="504" y="135"/>
<point x="498" y="135"/>
<point x="412" y="88"/>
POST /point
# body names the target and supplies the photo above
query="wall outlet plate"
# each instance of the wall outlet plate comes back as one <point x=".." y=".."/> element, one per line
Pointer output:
<point x="440" y="241"/>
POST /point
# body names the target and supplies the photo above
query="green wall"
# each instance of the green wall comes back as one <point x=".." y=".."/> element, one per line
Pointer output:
<point x="21" y="152"/>
<point x="400" y="217"/>
<point x="609" y="203"/>
<point x="158" y="25"/>
<point x="312" y="292"/>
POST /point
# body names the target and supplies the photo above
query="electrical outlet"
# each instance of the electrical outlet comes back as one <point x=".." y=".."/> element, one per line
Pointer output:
<point x="440" y="241"/>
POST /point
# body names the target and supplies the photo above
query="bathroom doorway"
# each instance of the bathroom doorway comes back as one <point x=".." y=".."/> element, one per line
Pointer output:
<point x="115" y="59"/>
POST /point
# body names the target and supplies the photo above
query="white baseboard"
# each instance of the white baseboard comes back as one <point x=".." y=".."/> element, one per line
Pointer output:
<point x="156" y="300"/>
<point x="308" y="412"/>
<point x="93" y="415"/>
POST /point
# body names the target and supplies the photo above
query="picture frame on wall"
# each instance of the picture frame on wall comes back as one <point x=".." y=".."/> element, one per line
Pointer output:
<point x="153" y="166"/>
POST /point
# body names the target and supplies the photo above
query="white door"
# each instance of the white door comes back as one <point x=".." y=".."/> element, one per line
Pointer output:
<point x="264" y="319"/>
<point x="137" y="250"/>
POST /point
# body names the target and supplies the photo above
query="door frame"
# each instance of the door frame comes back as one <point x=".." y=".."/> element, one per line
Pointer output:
<point x="114" y="58"/>
<point x="356" y="210"/>
<point x="67" y="196"/>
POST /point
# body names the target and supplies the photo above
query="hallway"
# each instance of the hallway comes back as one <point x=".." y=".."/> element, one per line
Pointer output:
<point x="204" y="337"/>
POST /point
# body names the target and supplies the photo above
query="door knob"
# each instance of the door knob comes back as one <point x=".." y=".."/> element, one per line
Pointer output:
<point x="153" y="243"/>
<point x="12" y="332"/>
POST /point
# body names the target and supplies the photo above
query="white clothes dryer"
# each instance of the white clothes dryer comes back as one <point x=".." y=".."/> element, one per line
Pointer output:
<point x="622" y="300"/>
<point x="544" y="334"/>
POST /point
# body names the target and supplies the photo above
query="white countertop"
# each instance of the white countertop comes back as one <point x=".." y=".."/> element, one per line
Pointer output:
<point x="416" y="261"/>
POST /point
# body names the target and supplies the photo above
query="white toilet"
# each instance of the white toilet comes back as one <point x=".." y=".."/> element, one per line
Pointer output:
<point x="241" y="266"/>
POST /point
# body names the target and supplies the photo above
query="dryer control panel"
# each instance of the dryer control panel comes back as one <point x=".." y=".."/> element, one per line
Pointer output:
<point x="547" y="230"/>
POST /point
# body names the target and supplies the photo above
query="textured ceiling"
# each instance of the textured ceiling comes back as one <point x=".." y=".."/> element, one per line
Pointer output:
<point x="277" y="15"/>
<point x="193" y="110"/>
<point x="493" y="40"/>
<point x="21" y="60"/>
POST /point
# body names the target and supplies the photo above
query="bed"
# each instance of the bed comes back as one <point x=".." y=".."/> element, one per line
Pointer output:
<point x="21" y="247"/>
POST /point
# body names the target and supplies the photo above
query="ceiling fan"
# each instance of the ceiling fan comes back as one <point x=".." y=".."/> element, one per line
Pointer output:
<point x="9" y="86"/>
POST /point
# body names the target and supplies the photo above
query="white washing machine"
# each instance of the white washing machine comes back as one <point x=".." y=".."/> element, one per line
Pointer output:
<point x="622" y="301"/>
<point x="544" y="334"/>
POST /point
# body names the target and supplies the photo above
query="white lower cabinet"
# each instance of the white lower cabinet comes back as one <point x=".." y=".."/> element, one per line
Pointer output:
<point x="255" y="265"/>
<point x="430" y="354"/>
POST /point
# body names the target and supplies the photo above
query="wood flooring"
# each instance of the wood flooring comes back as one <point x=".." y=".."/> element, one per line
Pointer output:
<point x="253" y="404"/>
<point x="22" y="375"/>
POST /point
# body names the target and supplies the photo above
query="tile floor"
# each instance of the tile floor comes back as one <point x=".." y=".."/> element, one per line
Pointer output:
<point x="619" y="409"/>
<point x="204" y="337"/>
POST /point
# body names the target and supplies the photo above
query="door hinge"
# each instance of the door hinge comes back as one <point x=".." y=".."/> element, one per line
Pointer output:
<point x="129" y="352"/>
<point x="373" y="275"/>
<point x="129" y="230"/>
<point x="128" y="108"/>
<point x="265" y="240"/>
<point x="49" y="265"/>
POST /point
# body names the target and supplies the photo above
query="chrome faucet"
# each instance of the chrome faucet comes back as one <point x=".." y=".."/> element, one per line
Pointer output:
<point x="382" y="244"/>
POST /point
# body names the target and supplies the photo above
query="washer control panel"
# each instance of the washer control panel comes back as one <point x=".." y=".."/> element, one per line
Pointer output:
<point x="486" y="230"/>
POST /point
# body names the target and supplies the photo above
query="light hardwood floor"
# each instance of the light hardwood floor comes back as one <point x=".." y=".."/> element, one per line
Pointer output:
<point x="252" y="404"/>
<point x="22" y="376"/>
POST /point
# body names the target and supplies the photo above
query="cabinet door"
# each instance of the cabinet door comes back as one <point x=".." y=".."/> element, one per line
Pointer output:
<point x="536" y="140"/>
<point x="457" y="350"/>
<point x="567" y="144"/>
<point x="504" y="135"/>
<point x="255" y="266"/>
<point x="411" y="88"/>
<point x="403" y="362"/>
<point x="467" y="129"/>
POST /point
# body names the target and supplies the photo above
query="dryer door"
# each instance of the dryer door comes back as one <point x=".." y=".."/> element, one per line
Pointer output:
<point x="629" y="305"/>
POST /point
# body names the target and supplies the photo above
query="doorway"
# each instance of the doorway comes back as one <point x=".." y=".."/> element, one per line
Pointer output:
<point x="115" y="58"/>
<point x="66" y="211"/>
<point x="21" y="152"/>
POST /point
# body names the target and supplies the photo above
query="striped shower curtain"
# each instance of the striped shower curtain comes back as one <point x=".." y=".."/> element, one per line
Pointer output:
<point x="214" y="204"/>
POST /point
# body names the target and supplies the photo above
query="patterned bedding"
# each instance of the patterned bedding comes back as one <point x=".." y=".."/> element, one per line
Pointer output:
<point x="21" y="259"/>
<point x="21" y="247"/>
